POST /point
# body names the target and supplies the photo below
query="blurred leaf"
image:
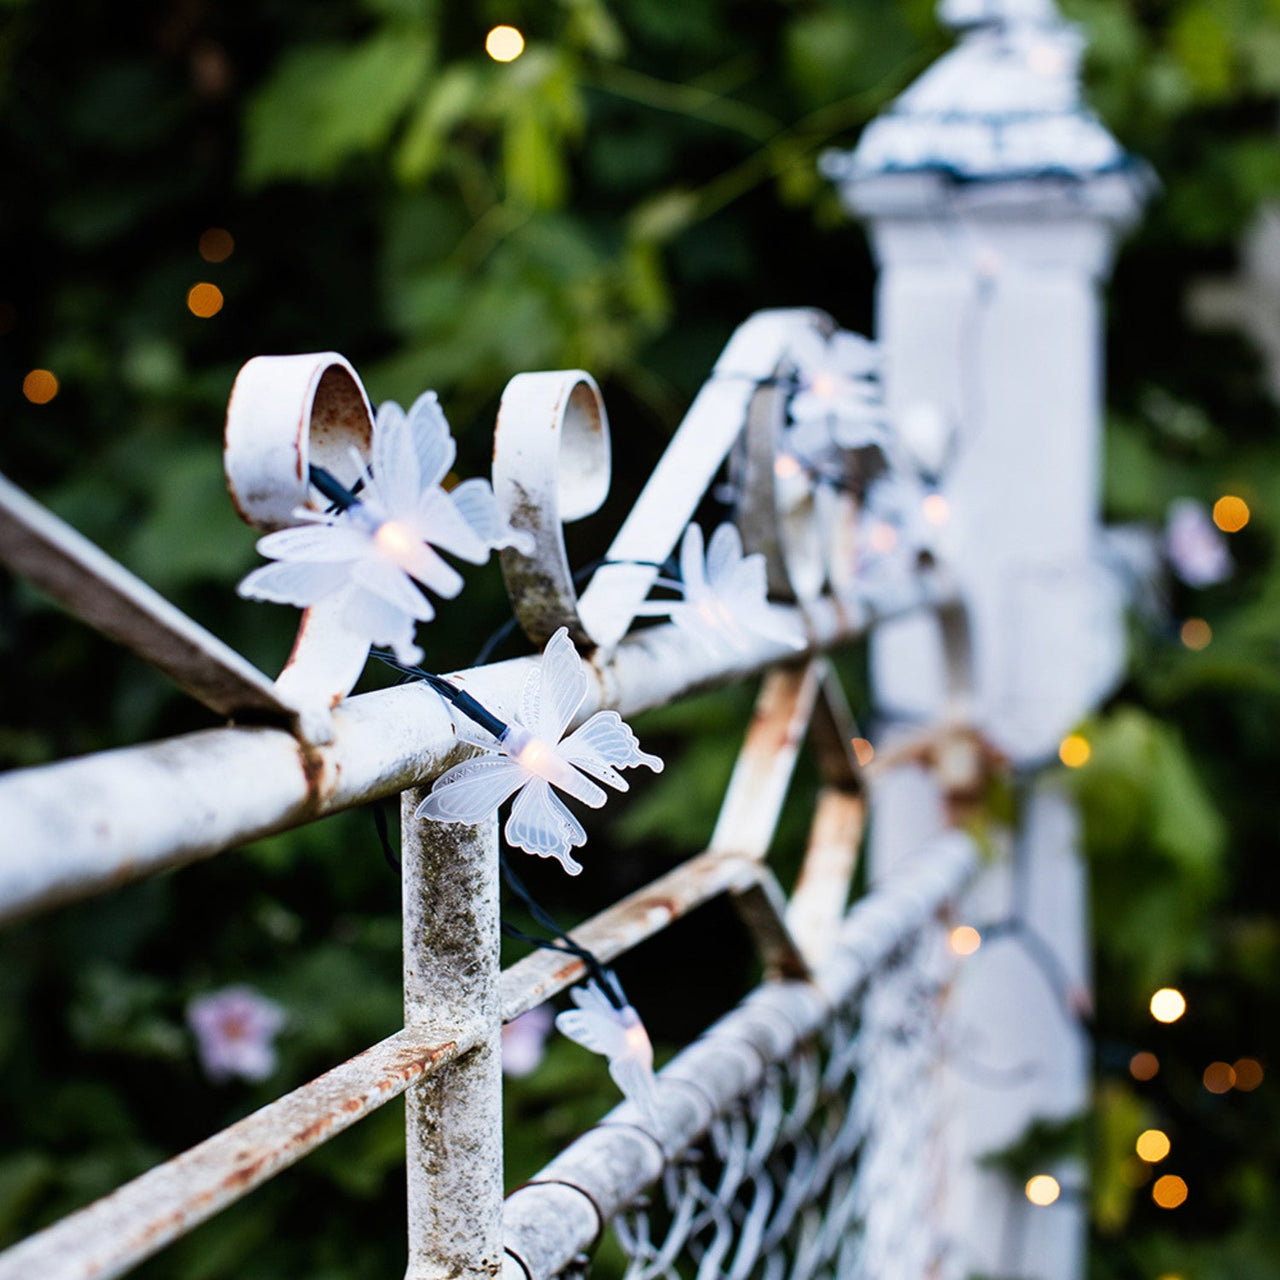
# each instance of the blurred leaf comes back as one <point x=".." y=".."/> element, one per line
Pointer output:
<point x="304" y="122"/>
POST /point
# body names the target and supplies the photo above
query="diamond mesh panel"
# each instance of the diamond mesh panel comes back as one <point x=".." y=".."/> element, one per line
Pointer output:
<point x="833" y="1168"/>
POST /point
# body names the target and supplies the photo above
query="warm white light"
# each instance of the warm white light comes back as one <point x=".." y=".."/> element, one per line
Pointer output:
<point x="786" y="467"/>
<point x="1043" y="1189"/>
<point x="936" y="509"/>
<point x="965" y="940"/>
<point x="1168" y="1004"/>
<point x="1152" y="1145"/>
<point x="884" y="537"/>
<point x="395" y="540"/>
<point x="504" y="44"/>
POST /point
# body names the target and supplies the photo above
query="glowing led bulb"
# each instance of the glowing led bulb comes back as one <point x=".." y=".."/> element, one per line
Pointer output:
<point x="1043" y="1189"/>
<point x="204" y="300"/>
<point x="504" y="44"/>
<point x="40" y="386"/>
<point x="1152" y="1145"/>
<point x="1168" y="1004"/>
<point x="936" y="509"/>
<point x="1230" y="513"/>
<point x="396" y="541"/>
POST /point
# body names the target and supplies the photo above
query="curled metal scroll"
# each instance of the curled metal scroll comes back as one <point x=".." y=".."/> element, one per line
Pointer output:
<point x="551" y="466"/>
<point x="286" y="413"/>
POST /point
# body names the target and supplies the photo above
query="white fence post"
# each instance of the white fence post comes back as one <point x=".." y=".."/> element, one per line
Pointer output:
<point x="994" y="200"/>
<point x="453" y="1119"/>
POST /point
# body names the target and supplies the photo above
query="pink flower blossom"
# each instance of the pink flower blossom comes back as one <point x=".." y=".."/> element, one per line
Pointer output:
<point x="524" y="1041"/>
<point x="234" y="1030"/>
<point x="1196" y="549"/>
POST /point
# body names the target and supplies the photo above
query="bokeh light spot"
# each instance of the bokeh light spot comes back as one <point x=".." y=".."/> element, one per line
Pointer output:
<point x="1152" y="1145"/>
<point x="1248" y="1074"/>
<point x="863" y="752"/>
<point x="1168" y="1004"/>
<point x="504" y="44"/>
<point x="1230" y="513"/>
<point x="1144" y="1065"/>
<point x="1219" y="1077"/>
<point x="1074" y="750"/>
<point x="1043" y="1189"/>
<point x="204" y="300"/>
<point x="1169" y="1192"/>
<point x="39" y="386"/>
<point x="936" y="509"/>
<point x="1196" y="634"/>
<point x="965" y="940"/>
<point x="216" y="244"/>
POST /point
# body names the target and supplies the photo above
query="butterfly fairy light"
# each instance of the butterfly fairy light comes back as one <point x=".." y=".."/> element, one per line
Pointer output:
<point x="606" y="1024"/>
<point x="723" y="596"/>
<point x="527" y="759"/>
<point x="367" y="555"/>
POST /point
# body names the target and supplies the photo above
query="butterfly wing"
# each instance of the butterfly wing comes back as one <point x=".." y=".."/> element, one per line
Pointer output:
<point x="540" y="824"/>
<point x="562" y="688"/>
<point x="472" y="790"/>
<point x="602" y="745"/>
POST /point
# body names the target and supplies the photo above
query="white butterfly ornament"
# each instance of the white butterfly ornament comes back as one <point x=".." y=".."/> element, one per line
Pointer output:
<point x="530" y="758"/>
<point x="367" y="558"/>
<point x="618" y="1035"/>
<point x="724" y="602"/>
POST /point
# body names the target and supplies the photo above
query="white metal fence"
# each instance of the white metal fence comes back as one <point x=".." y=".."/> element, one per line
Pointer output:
<point x="817" y="1130"/>
<point x="774" y="1128"/>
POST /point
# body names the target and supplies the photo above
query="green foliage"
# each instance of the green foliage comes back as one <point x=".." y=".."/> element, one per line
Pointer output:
<point x="617" y="200"/>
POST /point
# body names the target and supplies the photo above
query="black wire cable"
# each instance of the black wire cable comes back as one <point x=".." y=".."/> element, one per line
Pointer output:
<point x="333" y="488"/>
<point x="607" y="981"/>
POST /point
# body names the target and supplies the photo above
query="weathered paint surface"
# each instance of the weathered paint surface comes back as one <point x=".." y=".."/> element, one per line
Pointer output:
<point x="139" y="1219"/>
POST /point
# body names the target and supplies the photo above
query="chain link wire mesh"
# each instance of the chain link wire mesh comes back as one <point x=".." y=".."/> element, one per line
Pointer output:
<point x="833" y="1168"/>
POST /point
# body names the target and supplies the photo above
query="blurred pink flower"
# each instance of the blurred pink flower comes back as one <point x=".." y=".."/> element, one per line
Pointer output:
<point x="234" y="1030"/>
<point x="1195" y="547"/>
<point x="524" y="1041"/>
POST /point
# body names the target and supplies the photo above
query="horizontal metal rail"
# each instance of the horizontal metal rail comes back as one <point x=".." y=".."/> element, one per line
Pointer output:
<point x="122" y="1229"/>
<point x="142" y="1217"/>
<point x="140" y="810"/>
<point x="562" y="1211"/>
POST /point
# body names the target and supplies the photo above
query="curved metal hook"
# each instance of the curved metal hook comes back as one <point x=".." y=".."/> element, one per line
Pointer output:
<point x="551" y="465"/>
<point x="285" y="413"/>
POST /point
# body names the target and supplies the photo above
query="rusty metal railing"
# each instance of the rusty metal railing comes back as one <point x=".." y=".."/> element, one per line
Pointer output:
<point x="73" y="828"/>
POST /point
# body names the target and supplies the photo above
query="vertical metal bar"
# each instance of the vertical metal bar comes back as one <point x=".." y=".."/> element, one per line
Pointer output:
<point x="453" y="1122"/>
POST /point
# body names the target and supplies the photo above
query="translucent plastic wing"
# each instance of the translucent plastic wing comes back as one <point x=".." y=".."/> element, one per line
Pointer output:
<point x="472" y="790"/>
<point x="562" y="688"/>
<point x="693" y="573"/>
<point x="410" y="453"/>
<point x="853" y="354"/>
<point x="438" y="521"/>
<point x="723" y="554"/>
<point x="422" y="563"/>
<point x="479" y="508"/>
<point x="390" y="583"/>
<point x="540" y="824"/>
<point x="636" y="1081"/>
<point x="589" y="1030"/>
<point x="333" y="543"/>
<point x="603" y="744"/>
<point x="297" y="583"/>
<point x="432" y="439"/>
<point x="378" y="621"/>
